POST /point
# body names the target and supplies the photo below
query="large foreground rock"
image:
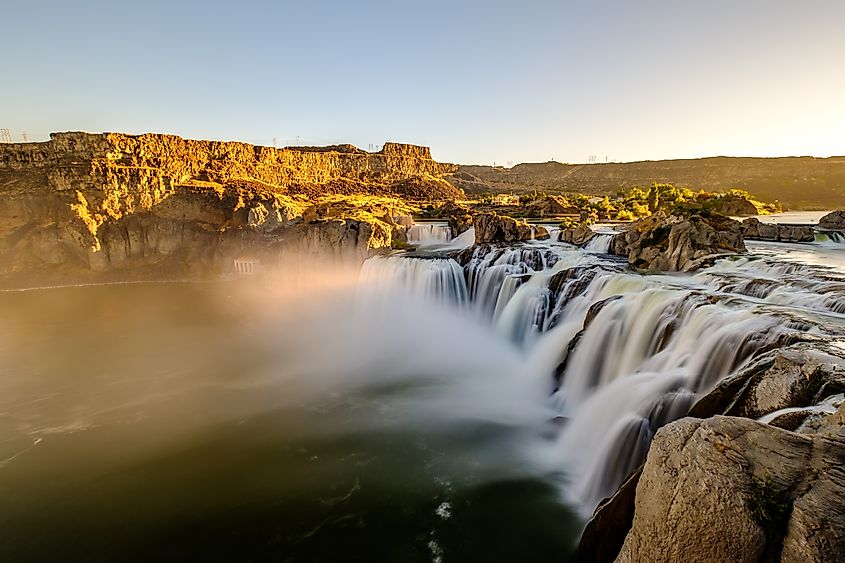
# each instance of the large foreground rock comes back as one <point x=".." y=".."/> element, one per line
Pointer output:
<point x="754" y="229"/>
<point x="834" y="221"/>
<point x="677" y="243"/>
<point x="732" y="489"/>
<point x="490" y="227"/>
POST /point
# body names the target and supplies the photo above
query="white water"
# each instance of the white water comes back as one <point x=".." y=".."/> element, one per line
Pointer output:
<point x="429" y="234"/>
<point x="599" y="244"/>
<point x="653" y="343"/>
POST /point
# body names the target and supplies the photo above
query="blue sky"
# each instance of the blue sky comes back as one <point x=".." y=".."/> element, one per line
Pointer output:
<point x="479" y="82"/>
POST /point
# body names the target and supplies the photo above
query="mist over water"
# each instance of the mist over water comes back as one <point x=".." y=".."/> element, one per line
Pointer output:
<point x="300" y="418"/>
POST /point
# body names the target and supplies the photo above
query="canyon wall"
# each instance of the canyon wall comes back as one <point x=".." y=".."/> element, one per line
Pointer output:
<point x="798" y="182"/>
<point x="155" y="204"/>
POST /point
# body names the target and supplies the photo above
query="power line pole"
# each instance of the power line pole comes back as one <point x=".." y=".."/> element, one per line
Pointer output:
<point x="23" y="136"/>
<point x="5" y="136"/>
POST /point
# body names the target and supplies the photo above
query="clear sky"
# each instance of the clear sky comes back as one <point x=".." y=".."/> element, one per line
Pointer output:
<point x="478" y="81"/>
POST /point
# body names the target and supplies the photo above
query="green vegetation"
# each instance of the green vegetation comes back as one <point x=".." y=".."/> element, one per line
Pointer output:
<point x="768" y="505"/>
<point x="636" y="203"/>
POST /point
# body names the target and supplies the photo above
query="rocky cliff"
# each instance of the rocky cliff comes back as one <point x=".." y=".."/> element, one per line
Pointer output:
<point x="83" y="203"/>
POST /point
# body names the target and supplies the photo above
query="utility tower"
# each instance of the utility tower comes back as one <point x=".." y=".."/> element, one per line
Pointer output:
<point x="23" y="137"/>
<point x="5" y="136"/>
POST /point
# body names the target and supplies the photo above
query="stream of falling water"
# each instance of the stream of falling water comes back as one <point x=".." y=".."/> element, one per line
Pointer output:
<point x="624" y="353"/>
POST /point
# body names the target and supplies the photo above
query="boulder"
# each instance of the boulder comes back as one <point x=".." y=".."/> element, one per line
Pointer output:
<point x="834" y="221"/>
<point x="792" y="377"/>
<point x="579" y="236"/>
<point x="490" y="227"/>
<point x="677" y="243"/>
<point x="732" y="489"/>
<point x="754" y="229"/>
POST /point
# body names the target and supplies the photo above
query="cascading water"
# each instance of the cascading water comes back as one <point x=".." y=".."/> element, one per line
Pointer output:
<point x="599" y="244"/>
<point x="833" y="238"/>
<point x="429" y="234"/>
<point x="624" y="354"/>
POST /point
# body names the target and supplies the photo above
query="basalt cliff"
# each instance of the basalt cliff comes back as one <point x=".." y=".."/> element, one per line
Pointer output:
<point x="105" y="205"/>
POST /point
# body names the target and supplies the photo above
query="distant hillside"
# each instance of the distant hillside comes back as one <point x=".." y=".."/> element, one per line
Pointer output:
<point x="798" y="182"/>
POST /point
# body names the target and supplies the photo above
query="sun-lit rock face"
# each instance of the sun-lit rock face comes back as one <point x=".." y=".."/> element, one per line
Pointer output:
<point x="490" y="227"/>
<point x="677" y="243"/>
<point x="94" y="202"/>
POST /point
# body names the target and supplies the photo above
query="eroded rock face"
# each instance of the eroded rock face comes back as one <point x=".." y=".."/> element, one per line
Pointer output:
<point x="91" y="203"/>
<point x="834" y="221"/>
<point x="490" y="227"/>
<point x="578" y="236"/>
<point x="732" y="489"/>
<point x="676" y="243"/>
<point x="754" y="229"/>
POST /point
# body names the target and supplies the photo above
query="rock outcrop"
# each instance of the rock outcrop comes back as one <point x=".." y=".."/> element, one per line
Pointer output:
<point x="677" y="243"/>
<point x="490" y="227"/>
<point x="834" y="221"/>
<point x="458" y="216"/>
<point x="94" y="203"/>
<point x="549" y="206"/>
<point x="578" y="236"/>
<point x="754" y="229"/>
<point x="732" y="206"/>
<point x="732" y="489"/>
<point x="786" y="378"/>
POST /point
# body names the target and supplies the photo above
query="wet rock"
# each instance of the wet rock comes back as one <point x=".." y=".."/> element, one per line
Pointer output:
<point x="578" y="236"/>
<point x="605" y="533"/>
<point x="490" y="227"/>
<point x="754" y="229"/>
<point x="834" y="221"/>
<point x="732" y="489"/>
<point x="677" y="243"/>
<point x="799" y="376"/>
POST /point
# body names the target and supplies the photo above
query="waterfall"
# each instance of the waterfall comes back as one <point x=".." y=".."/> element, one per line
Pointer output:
<point x="441" y="279"/>
<point x="830" y="238"/>
<point x="621" y="353"/>
<point x="429" y="234"/>
<point x="599" y="244"/>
